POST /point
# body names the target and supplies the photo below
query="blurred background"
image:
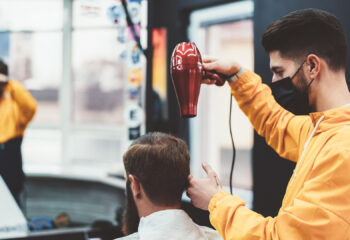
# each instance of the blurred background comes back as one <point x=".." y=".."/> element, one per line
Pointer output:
<point x="101" y="81"/>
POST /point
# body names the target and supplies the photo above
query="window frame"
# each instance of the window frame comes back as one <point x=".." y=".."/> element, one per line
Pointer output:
<point x="230" y="12"/>
<point x="65" y="124"/>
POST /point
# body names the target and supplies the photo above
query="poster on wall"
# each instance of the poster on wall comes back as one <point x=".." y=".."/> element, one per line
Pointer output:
<point x="136" y="62"/>
<point x="129" y="25"/>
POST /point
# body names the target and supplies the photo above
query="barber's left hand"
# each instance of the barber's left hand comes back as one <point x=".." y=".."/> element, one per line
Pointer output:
<point x="202" y="190"/>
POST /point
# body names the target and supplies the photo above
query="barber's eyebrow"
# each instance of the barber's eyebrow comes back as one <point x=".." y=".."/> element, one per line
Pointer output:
<point x="276" y="68"/>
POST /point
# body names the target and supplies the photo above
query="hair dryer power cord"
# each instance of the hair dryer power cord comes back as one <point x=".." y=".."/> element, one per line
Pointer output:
<point x="233" y="144"/>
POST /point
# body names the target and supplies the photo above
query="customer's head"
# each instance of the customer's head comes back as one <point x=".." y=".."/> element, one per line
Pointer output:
<point x="157" y="167"/>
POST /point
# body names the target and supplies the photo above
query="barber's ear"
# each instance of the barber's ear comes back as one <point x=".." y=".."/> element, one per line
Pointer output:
<point x="313" y="64"/>
<point x="135" y="186"/>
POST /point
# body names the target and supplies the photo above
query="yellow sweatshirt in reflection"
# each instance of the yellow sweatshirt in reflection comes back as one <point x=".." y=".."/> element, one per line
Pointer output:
<point x="17" y="108"/>
<point x="316" y="204"/>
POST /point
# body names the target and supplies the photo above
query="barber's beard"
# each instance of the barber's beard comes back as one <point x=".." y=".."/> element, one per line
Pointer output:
<point x="301" y="82"/>
<point x="131" y="217"/>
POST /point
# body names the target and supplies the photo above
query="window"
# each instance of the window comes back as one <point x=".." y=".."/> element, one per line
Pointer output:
<point x="228" y="40"/>
<point x="33" y="50"/>
<point x="31" y="15"/>
<point x="72" y="56"/>
<point x="98" y="74"/>
<point x="227" y="34"/>
<point x="35" y="59"/>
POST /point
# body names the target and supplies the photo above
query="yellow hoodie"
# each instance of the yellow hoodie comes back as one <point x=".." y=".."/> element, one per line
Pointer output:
<point x="17" y="108"/>
<point x="317" y="200"/>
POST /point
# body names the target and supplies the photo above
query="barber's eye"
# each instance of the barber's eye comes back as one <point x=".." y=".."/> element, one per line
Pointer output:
<point x="280" y="73"/>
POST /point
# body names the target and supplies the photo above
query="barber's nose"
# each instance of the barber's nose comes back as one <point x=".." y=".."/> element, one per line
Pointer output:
<point x="274" y="78"/>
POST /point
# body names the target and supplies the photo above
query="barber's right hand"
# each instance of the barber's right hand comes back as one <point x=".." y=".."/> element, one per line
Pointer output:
<point x="224" y="67"/>
<point x="202" y="190"/>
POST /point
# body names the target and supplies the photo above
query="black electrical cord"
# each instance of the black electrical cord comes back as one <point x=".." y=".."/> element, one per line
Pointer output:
<point x="23" y="202"/>
<point x="233" y="145"/>
<point x="132" y="27"/>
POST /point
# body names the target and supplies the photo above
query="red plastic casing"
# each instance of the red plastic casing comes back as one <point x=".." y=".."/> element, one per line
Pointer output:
<point x="186" y="73"/>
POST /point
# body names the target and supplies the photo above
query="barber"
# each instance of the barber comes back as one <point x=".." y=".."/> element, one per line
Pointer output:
<point x="17" y="108"/>
<point x="307" y="51"/>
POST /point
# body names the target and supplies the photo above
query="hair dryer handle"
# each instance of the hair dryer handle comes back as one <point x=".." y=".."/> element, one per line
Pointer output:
<point x="218" y="77"/>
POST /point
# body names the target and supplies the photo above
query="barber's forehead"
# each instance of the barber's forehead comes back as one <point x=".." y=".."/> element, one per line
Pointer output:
<point x="276" y="60"/>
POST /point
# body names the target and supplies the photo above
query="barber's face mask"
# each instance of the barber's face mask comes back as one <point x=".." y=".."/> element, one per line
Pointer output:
<point x="289" y="97"/>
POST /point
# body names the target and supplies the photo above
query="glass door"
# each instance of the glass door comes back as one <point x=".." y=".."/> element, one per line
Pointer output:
<point x="228" y="34"/>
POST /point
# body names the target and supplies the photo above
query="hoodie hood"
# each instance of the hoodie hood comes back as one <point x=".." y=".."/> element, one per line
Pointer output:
<point x="332" y="118"/>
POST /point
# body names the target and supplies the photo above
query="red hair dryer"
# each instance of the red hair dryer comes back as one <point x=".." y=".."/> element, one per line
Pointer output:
<point x="187" y="73"/>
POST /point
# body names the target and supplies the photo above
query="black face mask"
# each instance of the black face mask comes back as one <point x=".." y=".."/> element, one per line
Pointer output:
<point x="289" y="97"/>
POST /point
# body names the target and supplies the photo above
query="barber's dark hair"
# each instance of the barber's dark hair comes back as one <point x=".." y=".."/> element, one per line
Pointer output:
<point x="308" y="31"/>
<point x="161" y="162"/>
<point x="3" y="68"/>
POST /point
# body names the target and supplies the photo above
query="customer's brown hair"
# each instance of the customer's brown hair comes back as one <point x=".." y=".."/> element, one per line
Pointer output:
<point x="161" y="162"/>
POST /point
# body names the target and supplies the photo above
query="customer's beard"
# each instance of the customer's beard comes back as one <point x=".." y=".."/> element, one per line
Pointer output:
<point x="131" y="217"/>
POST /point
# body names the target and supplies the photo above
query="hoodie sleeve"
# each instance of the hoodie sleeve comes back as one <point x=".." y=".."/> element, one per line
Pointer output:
<point x="26" y="104"/>
<point x="282" y="130"/>
<point x="321" y="209"/>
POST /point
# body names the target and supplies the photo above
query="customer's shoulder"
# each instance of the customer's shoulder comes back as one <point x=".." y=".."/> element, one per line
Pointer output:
<point x="134" y="236"/>
<point x="210" y="233"/>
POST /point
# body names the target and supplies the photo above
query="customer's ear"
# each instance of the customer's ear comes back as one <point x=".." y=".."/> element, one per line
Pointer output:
<point x="135" y="186"/>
